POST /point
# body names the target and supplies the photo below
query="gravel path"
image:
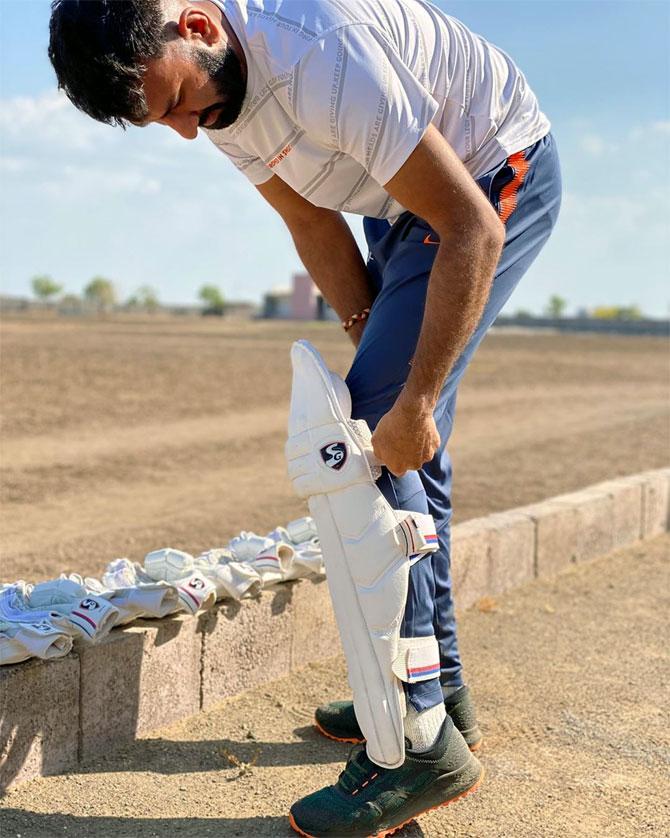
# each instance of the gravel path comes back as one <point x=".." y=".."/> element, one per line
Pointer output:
<point x="571" y="678"/>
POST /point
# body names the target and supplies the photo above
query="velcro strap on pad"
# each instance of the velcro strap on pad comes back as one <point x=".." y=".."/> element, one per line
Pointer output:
<point x="361" y="430"/>
<point x="418" y="659"/>
<point x="416" y="531"/>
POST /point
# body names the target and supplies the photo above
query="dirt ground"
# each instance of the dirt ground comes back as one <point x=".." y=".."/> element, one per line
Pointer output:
<point x="571" y="680"/>
<point x="124" y="436"/>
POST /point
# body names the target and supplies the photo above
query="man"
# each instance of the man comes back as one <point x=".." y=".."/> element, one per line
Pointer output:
<point x="392" y="110"/>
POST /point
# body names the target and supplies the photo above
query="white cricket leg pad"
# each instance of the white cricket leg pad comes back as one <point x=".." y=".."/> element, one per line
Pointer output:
<point x="367" y="548"/>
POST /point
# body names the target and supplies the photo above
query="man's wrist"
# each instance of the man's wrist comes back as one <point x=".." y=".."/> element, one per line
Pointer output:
<point x="417" y="399"/>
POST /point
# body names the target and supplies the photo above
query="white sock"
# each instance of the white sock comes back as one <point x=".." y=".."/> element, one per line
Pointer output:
<point x="422" y="728"/>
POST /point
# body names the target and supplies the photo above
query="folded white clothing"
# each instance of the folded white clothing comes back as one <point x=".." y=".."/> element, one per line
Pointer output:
<point x="42" y="639"/>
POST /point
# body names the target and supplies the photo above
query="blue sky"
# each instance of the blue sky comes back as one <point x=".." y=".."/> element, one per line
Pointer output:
<point x="146" y="207"/>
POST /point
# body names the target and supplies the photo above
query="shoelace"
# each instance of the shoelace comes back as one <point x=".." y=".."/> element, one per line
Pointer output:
<point x="359" y="771"/>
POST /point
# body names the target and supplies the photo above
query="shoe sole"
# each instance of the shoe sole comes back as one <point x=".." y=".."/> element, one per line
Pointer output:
<point x="393" y="829"/>
<point x="352" y="741"/>
<point x="336" y="738"/>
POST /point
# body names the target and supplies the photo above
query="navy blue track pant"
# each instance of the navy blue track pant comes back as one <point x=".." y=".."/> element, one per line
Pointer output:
<point x="526" y="192"/>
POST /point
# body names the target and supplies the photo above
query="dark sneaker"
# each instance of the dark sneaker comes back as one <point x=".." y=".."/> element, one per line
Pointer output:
<point x="337" y="720"/>
<point x="372" y="801"/>
<point x="461" y="708"/>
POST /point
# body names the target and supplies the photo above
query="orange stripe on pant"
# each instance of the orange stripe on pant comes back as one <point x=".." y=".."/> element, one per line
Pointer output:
<point x="508" y="193"/>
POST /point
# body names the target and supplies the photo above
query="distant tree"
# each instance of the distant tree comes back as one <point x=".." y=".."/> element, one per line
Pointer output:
<point x="524" y="314"/>
<point x="617" y="313"/>
<point x="144" y="298"/>
<point x="630" y="313"/>
<point x="45" y="287"/>
<point x="101" y="293"/>
<point x="213" y="299"/>
<point x="556" y="306"/>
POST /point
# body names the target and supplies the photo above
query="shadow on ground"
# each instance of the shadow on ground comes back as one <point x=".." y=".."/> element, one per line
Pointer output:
<point x="166" y="756"/>
<point x="36" y="825"/>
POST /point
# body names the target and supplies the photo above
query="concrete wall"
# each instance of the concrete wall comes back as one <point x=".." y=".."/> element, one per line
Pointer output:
<point x="58" y="714"/>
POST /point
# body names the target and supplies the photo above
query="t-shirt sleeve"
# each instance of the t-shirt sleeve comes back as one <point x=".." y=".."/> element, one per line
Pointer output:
<point x="250" y="166"/>
<point x="355" y="94"/>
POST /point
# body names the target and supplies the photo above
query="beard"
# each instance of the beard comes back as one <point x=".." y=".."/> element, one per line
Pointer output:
<point x="225" y="71"/>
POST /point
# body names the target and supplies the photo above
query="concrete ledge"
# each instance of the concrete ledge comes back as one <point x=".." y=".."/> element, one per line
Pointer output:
<point x="511" y="551"/>
<point x="39" y="722"/>
<point x="655" y="502"/>
<point x="470" y="562"/>
<point x="595" y="521"/>
<point x="556" y="535"/>
<point x="627" y="499"/>
<point x="246" y="644"/>
<point x="138" y="679"/>
<point x="58" y="714"/>
<point x="315" y="635"/>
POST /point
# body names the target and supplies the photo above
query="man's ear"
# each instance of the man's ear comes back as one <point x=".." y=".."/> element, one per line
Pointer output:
<point x="196" y="25"/>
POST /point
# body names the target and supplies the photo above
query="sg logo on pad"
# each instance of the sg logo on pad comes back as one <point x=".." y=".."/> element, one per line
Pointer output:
<point x="334" y="455"/>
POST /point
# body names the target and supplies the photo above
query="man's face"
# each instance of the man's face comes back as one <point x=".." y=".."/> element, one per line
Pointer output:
<point x="194" y="86"/>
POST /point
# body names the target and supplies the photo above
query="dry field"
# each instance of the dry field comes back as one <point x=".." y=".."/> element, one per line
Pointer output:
<point x="123" y="436"/>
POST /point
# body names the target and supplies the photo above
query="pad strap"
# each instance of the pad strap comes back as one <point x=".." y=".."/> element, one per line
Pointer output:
<point x="361" y="431"/>
<point x="416" y="532"/>
<point x="418" y="659"/>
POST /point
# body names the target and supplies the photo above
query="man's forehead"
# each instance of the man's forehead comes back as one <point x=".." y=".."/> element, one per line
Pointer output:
<point x="158" y="82"/>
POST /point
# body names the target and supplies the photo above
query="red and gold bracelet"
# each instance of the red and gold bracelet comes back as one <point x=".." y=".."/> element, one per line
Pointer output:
<point x="355" y="318"/>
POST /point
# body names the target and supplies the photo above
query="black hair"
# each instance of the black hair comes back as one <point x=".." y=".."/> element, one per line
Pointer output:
<point x="99" y="50"/>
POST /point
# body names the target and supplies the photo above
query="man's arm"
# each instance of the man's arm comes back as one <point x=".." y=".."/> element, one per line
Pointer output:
<point x="434" y="184"/>
<point x="326" y="248"/>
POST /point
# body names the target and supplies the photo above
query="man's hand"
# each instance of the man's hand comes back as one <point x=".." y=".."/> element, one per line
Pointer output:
<point x="406" y="437"/>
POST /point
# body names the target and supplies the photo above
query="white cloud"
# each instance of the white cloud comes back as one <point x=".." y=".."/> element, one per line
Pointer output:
<point x="594" y="145"/>
<point x="91" y="181"/>
<point x="49" y="121"/>
<point x="14" y="165"/>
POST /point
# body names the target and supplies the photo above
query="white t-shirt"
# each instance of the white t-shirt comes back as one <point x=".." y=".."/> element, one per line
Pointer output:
<point x="339" y="93"/>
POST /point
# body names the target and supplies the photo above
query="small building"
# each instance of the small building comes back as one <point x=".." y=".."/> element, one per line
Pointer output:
<point x="302" y="301"/>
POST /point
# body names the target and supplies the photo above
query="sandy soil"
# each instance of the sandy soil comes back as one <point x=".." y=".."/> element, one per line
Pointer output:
<point x="571" y="679"/>
<point x="124" y="436"/>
